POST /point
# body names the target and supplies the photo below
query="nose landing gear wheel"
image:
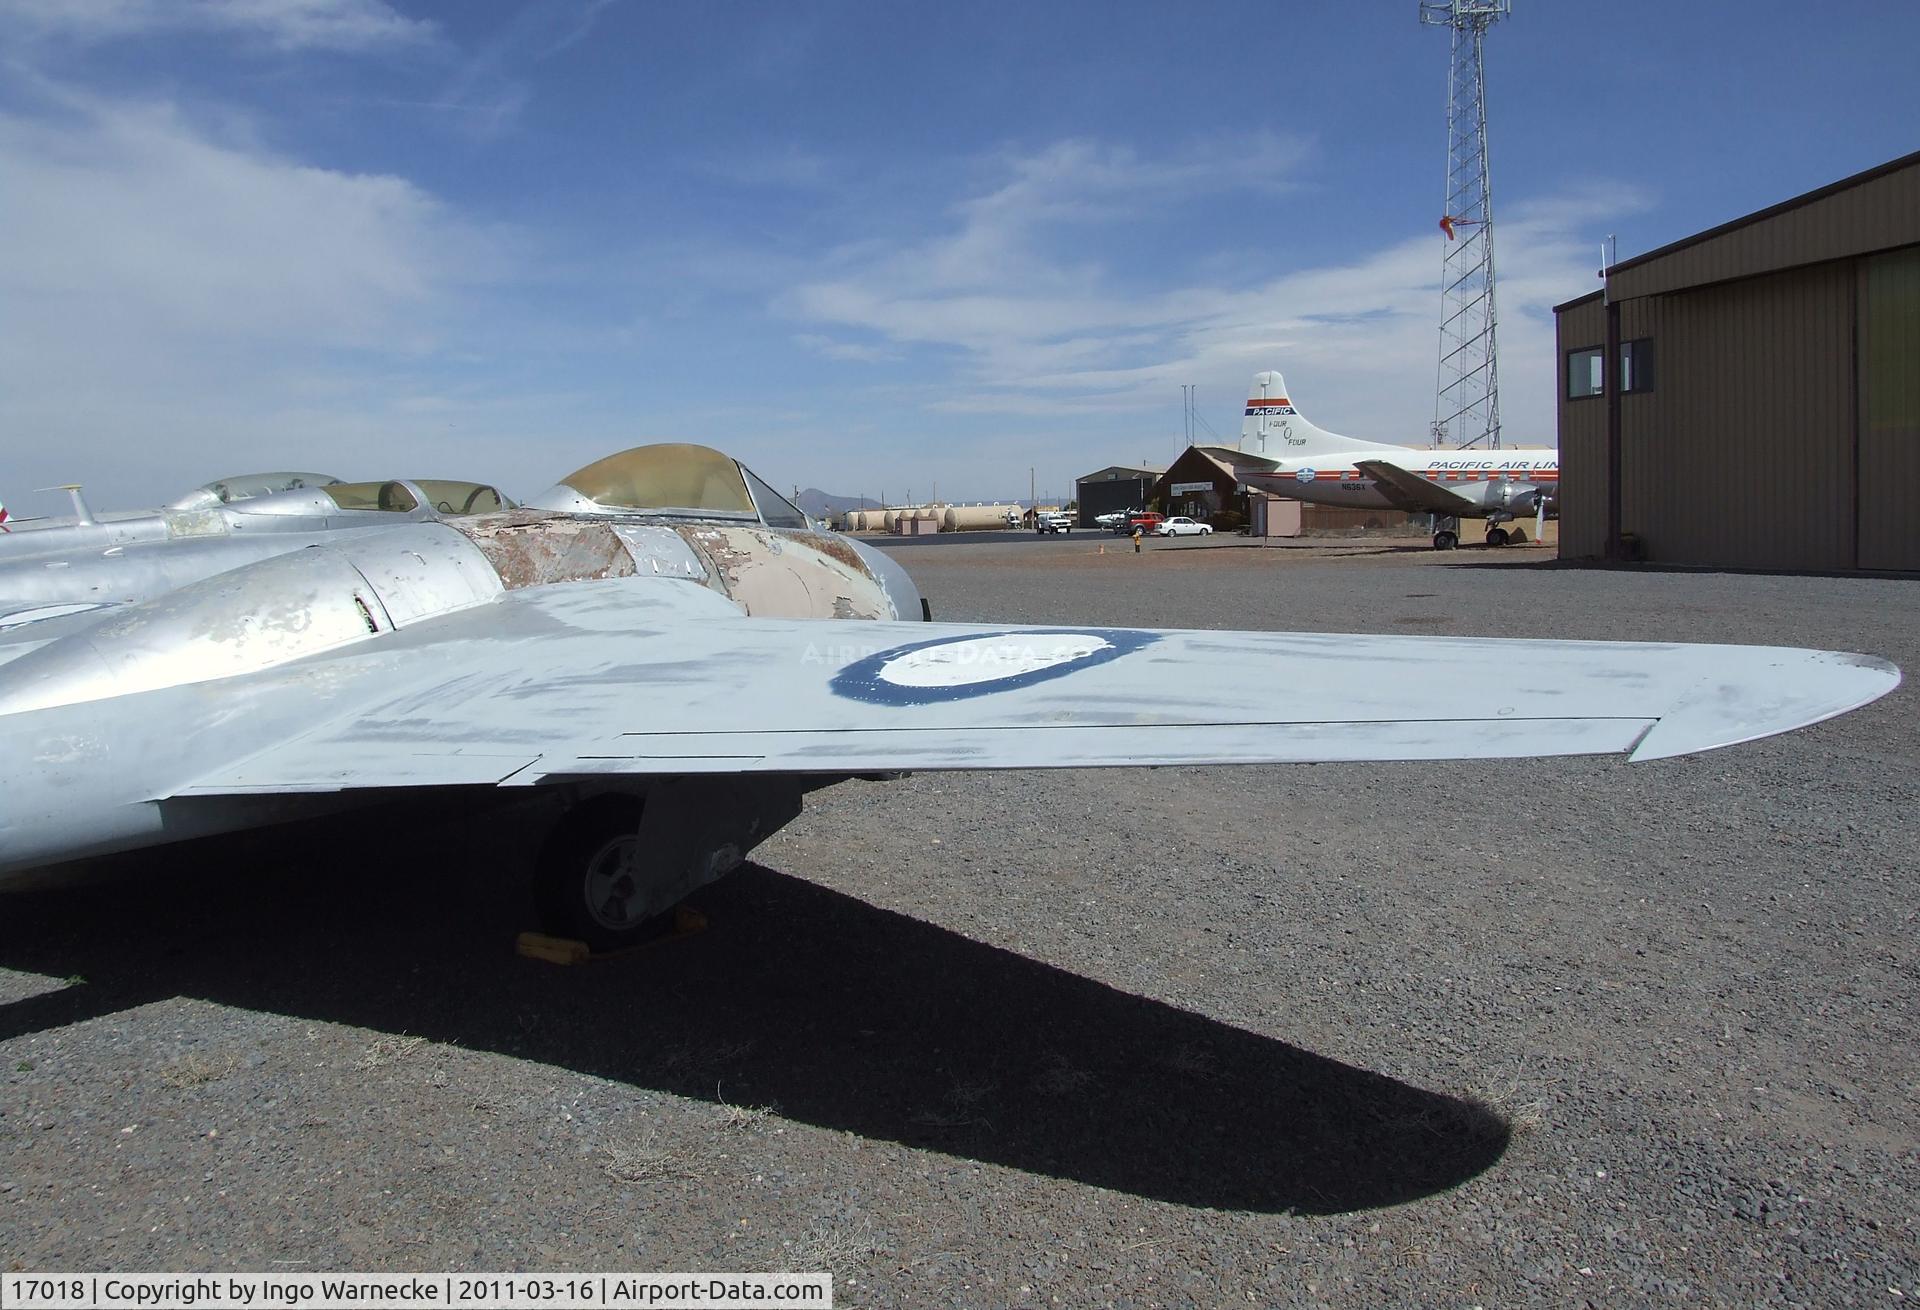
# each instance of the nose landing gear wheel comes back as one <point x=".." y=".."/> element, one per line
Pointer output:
<point x="1496" y="536"/>
<point x="1444" y="540"/>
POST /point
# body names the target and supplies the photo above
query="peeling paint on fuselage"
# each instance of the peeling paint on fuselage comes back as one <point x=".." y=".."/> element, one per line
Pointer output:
<point x="536" y="550"/>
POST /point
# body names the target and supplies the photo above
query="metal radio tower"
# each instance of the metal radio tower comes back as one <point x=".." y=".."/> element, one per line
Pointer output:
<point x="1467" y="398"/>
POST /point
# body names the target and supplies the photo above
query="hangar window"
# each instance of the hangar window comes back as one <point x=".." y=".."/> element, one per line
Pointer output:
<point x="1636" y="365"/>
<point x="1586" y="372"/>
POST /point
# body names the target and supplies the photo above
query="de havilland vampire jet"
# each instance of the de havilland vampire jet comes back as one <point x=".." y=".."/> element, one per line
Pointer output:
<point x="90" y="562"/>
<point x="1282" y="453"/>
<point x="673" y="655"/>
<point x="120" y="527"/>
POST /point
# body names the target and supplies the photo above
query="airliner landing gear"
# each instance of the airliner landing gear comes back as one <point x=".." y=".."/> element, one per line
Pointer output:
<point x="1496" y="536"/>
<point x="1446" y="532"/>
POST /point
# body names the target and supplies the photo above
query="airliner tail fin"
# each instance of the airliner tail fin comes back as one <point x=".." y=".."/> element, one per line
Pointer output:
<point x="1275" y="429"/>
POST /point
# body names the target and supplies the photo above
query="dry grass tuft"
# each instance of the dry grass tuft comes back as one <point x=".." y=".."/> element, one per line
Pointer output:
<point x="196" y="1069"/>
<point x="1522" y="1114"/>
<point x="740" y="1117"/>
<point x="961" y="1108"/>
<point x="1060" y="1078"/>
<point x="645" y="1163"/>
<point x="833" y="1248"/>
<point x="389" y="1050"/>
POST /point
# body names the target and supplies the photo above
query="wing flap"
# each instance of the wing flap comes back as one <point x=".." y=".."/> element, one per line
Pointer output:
<point x="866" y="750"/>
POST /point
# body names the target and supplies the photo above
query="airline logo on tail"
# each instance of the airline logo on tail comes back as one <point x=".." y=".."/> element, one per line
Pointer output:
<point x="1273" y="427"/>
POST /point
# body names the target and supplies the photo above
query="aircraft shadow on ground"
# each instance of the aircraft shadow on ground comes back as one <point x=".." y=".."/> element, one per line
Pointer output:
<point x="830" y="1010"/>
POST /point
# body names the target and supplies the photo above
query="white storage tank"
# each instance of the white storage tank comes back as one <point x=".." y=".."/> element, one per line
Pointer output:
<point x="974" y="518"/>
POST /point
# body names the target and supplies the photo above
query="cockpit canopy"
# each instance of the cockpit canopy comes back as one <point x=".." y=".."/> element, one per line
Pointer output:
<point x="676" y="480"/>
<point x="443" y="495"/>
<point x="248" y="486"/>
<point x="449" y="497"/>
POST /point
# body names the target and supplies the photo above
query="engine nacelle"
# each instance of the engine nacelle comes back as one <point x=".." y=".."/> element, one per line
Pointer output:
<point x="257" y="617"/>
<point x="1521" y="498"/>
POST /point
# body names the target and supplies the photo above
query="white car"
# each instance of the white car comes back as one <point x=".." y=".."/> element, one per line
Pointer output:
<point x="1183" y="527"/>
<point x="1054" y="521"/>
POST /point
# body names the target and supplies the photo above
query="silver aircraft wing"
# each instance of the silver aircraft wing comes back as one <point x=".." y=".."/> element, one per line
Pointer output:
<point x="647" y="676"/>
<point x="1409" y="491"/>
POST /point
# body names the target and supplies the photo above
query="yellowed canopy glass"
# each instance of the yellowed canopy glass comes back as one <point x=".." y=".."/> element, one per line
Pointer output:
<point x="665" y="477"/>
<point x="390" y="496"/>
<point x="457" y="498"/>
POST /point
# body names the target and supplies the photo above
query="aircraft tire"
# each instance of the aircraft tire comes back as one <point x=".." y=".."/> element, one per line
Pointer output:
<point x="580" y="883"/>
<point x="1444" y="540"/>
<point x="1496" y="536"/>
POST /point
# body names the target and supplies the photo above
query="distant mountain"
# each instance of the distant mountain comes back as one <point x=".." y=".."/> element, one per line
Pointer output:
<point x="822" y="505"/>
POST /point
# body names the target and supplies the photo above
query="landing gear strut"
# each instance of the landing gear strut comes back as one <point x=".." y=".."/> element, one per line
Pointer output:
<point x="615" y="865"/>
<point x="1446" y="532"/>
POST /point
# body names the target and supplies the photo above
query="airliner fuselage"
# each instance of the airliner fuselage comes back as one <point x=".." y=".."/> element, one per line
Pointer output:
<point x="1282" y="453"/>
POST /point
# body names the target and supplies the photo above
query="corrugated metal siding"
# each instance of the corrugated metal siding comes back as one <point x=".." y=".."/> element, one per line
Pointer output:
<point x="1583" y="440"/>
<point x="1890" y="411"/>
<point x="1879" y="214"/>
<point x="1742" y="455"/>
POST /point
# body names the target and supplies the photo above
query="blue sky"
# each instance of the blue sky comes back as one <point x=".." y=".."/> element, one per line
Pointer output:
<point x="865" y="246"/>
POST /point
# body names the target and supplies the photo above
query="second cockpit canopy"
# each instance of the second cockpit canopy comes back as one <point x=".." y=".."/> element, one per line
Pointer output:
<point x="676" y="480"/>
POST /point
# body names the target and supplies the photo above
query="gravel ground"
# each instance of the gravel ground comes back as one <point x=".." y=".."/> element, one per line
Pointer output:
<point x="1565" y="1032"/>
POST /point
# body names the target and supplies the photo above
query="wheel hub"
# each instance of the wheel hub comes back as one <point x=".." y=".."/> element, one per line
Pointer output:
<point x="613" y="883"/>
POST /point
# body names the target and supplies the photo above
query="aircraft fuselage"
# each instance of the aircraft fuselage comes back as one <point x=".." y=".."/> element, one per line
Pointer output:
<point x="1490" y="480"/>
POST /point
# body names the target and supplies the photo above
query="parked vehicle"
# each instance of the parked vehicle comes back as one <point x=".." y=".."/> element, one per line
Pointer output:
<point x="1054" y="521"/>
<point x="1182" y="526"/>
<point x="1145" y="519"/>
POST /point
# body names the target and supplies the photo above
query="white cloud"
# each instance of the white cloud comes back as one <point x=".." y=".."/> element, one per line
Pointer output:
<point x="1041" y="329"/>
<point x="850" y="351"/>
<point x="187" y="296"/>
<point x="281" y="24"/>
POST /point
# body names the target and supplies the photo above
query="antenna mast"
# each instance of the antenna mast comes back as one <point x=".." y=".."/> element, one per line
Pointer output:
<point x="1467" y="394"/>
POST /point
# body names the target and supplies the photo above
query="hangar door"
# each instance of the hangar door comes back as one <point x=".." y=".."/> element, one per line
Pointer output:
<point x="1889" y="468"/>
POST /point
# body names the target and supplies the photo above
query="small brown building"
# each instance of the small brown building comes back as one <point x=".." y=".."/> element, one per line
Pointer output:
<point x="1760" y="403"/>
<point x="1197" y="484"/>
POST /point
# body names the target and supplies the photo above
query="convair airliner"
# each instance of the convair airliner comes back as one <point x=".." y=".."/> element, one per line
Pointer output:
<point x="1282" y="453"/>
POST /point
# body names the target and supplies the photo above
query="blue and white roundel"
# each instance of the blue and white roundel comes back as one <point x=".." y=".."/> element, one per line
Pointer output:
<point x="1305" y="475"/>
<point x="955" y="668"/>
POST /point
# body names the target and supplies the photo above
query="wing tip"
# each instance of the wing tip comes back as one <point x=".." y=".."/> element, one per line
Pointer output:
<point x="1798" y="689"/>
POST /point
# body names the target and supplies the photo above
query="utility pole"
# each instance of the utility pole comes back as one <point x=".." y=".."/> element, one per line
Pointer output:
<point x="1189" y="409"/>
<point x="1467" y="391"/>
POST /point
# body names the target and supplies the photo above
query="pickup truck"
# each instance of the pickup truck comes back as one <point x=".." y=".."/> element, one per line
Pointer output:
<point x="1053" y="521"/>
